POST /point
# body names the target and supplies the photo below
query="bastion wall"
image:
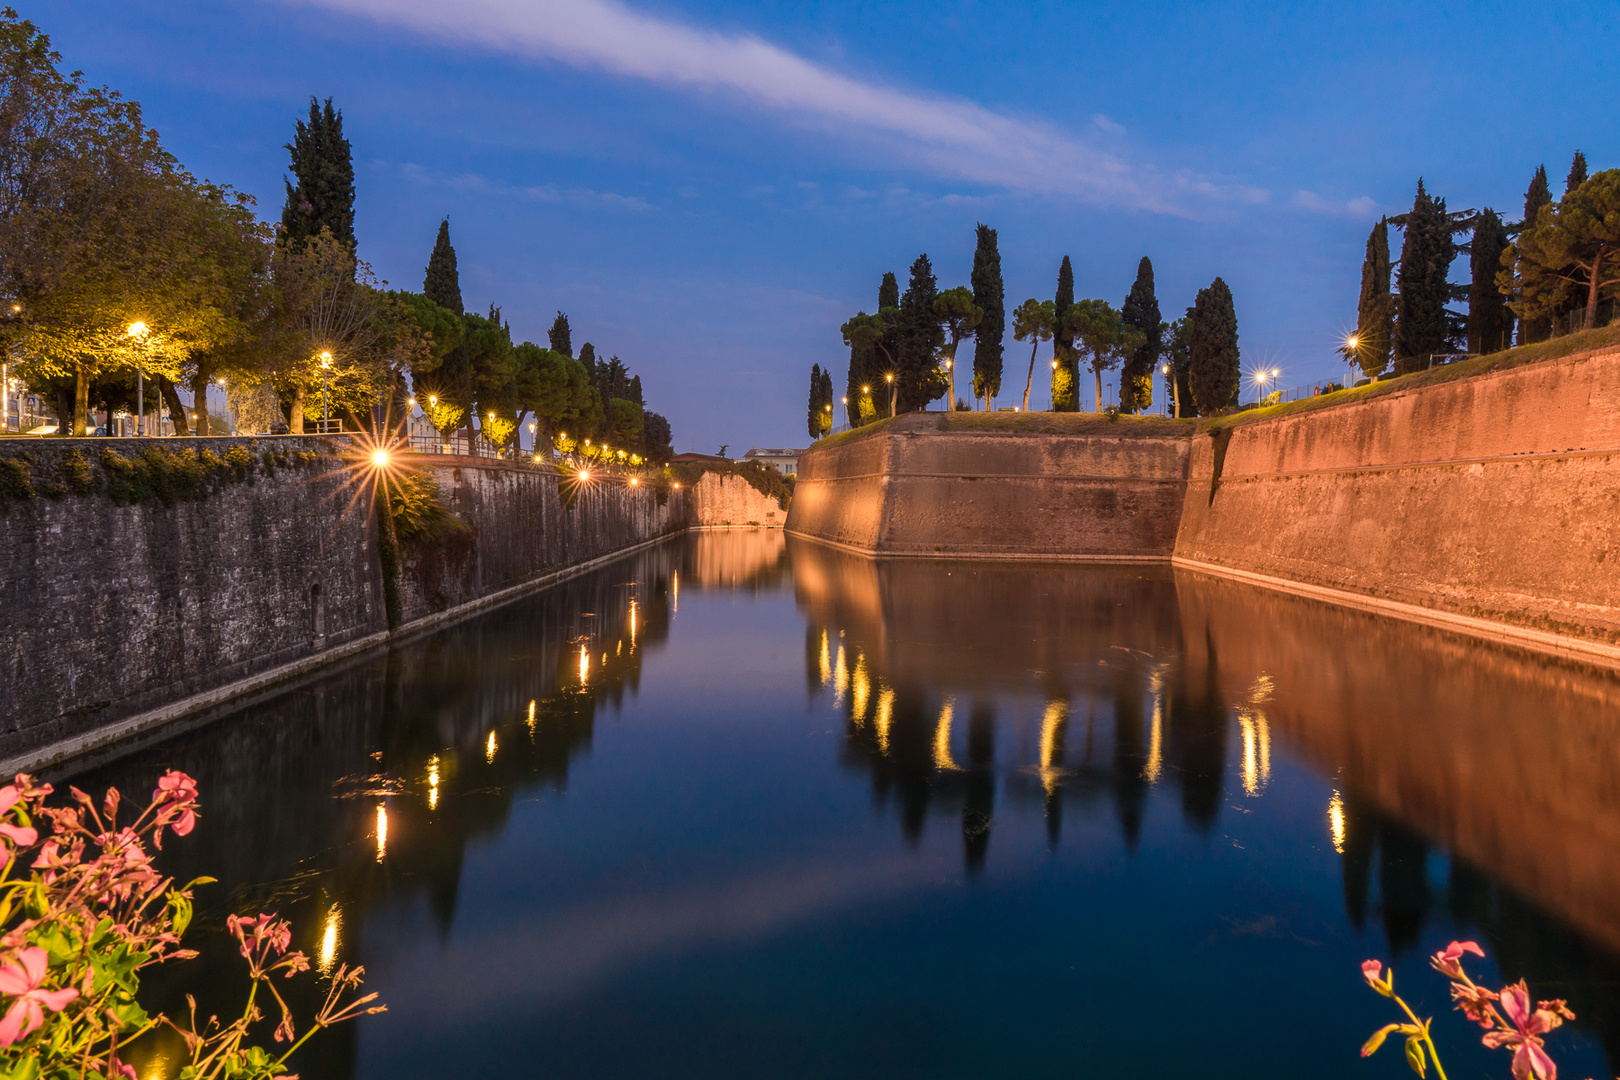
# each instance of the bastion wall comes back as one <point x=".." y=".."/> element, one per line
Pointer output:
<point x="722" y="502"/>
<point x="1490" y="501"/>
<point x="117" y="618"/>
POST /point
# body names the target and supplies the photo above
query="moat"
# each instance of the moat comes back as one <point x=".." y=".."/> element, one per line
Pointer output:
<point x="746" y="806"/>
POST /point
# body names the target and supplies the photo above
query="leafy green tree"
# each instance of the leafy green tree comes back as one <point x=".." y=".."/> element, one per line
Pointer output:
<point x="1537" y="195"/>
<point x="1577" y="173"/>
<point x="335" y="328"/>
<point x="656" y="436"/>
<point x="1368" y="346"/>
<point x="1065" y="369"/>
<point x="1140" y="315"/>
<point x="989" y="295"/>
<point x="587" y="356"/>
<point x="323" y="197"/>
<point x="1032" y="322"/>
<point x="441" y="331"/>
<point x="1571" y="247"/>
<point x="1101" y="338"/>
<point x="1178" y="358"/>
<point x="441" y="283"/>
<point x="554" y="389"/>
<point x="488" y="346"/>
<point x="958" y="315"/>
<point x="917" y="378"/>
<point x="1212" y="350"/>
<point x="559" y="335"/>
<point x="873" y="333"/>
<point x="1421" y="324"/>
<point x="1490" y="324"/>
<point x="625" y="425"/>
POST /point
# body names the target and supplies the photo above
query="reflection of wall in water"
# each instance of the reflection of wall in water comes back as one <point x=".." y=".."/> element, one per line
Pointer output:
<point x="443" y="735"/>
<point x="919" y="657"/>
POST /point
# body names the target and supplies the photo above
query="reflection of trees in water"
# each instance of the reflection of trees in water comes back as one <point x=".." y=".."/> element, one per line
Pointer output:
<point x="1519" y="936"/>
<point x="428" y="746"/>
<point x="920" y="663"/>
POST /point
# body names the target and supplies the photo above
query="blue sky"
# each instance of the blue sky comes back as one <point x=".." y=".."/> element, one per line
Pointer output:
<point x="710" y="188"/>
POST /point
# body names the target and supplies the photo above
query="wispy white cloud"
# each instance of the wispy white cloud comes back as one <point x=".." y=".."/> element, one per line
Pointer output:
<point x="947" y="136"/>
<point x="473" y="183"/>
<point x="1317" y="204"/>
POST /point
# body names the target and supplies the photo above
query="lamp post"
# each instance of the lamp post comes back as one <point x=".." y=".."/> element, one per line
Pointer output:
<point x="230" y="418"/>
<point x="326" y="413"/>
<point x="1175" y="387"/>
<point x="846" y="411"/>
<point x="138" y="331"/>
<point x="894" y="395"/>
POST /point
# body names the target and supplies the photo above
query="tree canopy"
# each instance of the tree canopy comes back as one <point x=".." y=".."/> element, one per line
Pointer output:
<point x="1569" y="249"/>
<point x="1140" y="315"/>
<point x="1213" y="362"/>
<point x="989" y="296"/>
<point x="323" y="195"/>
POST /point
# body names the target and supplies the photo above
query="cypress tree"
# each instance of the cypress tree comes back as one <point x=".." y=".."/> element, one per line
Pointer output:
<point x="1212" y="350"/>
<point x="559" y="336"/>
<point x="441" y="284"/>
<point x="919" y="379"/>
<point x="1140" y="313"/>
<point x="1577" y="173"/>
<point x="1489" y="321"/>
<point x="323" y="196"/>
<point x="1375" y="312"/>
<point x="1537" y="195"/>
<point x="1066" y="376"/>
<point x="1420" y="312"/>
<point x="827" y="397"/>
<point x="814" y="413"/>
<point x="990" y="296"/>
<point x="889" y="292"/>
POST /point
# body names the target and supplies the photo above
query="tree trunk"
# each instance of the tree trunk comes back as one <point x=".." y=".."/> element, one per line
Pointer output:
<point x="199" y="399"/>
<point x="295" y="415"/>
<point x="64" y="410"/>
<point x="177" y="409"/>
<point x="1175" y="391"/>
<point x="1030" y="381"/>
<point x="81" y="402"/>
<point x="1098" y="372"/>
<point x="950" y="402"/>
<point x="1592" y="290"/>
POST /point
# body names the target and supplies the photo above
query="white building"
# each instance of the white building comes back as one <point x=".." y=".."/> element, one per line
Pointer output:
<point x="786" y="461"/>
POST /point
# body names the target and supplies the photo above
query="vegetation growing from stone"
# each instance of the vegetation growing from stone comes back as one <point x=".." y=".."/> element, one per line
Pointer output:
<point x="152" y="474"/>
<point x="421" y="518"/>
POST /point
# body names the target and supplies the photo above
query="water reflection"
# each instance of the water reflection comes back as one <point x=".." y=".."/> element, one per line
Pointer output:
<point x="985" y="711"/>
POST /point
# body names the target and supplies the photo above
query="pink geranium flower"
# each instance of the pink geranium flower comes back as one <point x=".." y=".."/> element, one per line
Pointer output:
<point x="1529" y="1059"/>
<point x="1447" y="962"/>
<point x="22" y="979"/>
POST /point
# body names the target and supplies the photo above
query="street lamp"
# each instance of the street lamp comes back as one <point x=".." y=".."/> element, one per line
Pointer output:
<point x="1175" y="387"/>
<point x="326" y="413"/>
<point x="894" y="393"/>
<point x="137" y="330"/>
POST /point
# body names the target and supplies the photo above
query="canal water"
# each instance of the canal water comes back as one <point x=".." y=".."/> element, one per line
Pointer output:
<point x="741" y="806"/>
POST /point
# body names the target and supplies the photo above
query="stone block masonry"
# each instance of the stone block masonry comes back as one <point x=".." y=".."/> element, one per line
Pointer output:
<point x="730" y="501"/>
<point x="1488" y="503"/>
<point x="115" y="617"/>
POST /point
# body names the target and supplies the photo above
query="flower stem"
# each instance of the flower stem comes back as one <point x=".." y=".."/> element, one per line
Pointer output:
<point x="1434" y="1055"/>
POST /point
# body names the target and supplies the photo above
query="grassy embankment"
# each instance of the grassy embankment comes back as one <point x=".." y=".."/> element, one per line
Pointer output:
<point x="1050" y="423"/>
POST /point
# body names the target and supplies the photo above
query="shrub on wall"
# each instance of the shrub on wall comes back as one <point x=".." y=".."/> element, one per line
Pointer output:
<point x="152" y="474"/>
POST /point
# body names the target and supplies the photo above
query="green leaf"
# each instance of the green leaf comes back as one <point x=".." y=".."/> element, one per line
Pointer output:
<point x="1415" y="1056"/>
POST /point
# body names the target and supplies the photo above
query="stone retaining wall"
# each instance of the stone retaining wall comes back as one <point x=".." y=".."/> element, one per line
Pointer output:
<point x="111" y="614"/>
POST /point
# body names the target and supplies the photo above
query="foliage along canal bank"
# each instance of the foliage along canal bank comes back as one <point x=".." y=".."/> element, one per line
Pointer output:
<point x="151" y="581"/>
<point x="1489" y="503"/>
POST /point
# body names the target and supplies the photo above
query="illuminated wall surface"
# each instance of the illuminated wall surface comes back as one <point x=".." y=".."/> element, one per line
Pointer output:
<point x="116" y="609"/>
<point x="745" y="805"/>
<point x="1494" y="497"/>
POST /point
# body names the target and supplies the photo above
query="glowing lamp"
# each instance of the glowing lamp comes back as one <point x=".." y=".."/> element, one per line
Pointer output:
<point x="136" y="329"/>
<point x="379" y="458"/>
